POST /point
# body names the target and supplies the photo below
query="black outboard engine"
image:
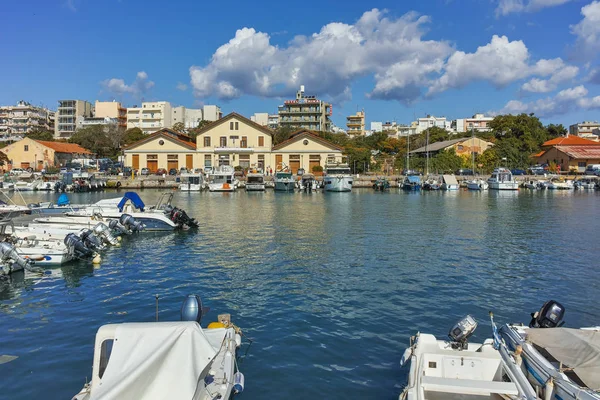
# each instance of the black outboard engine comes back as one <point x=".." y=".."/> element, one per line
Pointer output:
<point x="118" y="227"/>
<point x="90" y="240"/>
<point x="130" y="222"/>
<point x="77" y="247"/>
<point x="192" y="310"/>
<point x="10" y="257"/>
<point x="180" y="217"/>
<point x="549" y="316"/>
<point x="461" y="332"/>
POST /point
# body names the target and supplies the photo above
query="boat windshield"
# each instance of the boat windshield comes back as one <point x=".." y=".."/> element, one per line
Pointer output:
<point x="338" y="171"/>
<point x="194" y="180"/>
<point x="254" y="179"/>
<point x="221" y="179"/>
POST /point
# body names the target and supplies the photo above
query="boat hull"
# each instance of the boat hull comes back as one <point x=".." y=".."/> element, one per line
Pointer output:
<point x="255" y="187"/>
<point x="189" y="187"/>
<point x="503" y="186"/>
<point x="338" y="183"/>
<point x="284" y="186"/>
<point x="220" y="187"/>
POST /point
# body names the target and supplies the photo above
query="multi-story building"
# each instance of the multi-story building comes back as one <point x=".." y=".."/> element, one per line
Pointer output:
<point x="23" y="118"/>
<point x="585" y="129"/>
<point x="105" y="121"/>
<point x="260" y="118"/>
<point x="376" y="126"/>
<point x="408" y="130"/>
<point x="112" y="110"/>
<point x="151" y="116"/>
<point x="273" y="121"/>
<point x="66" y="117"/>
<point x="306" y="112"/>
<point x="389" y="127"/>
<point x="356" y="123"/>
<point x="430" y="121"/>
<point x="189" y="117"/>
<point x="211" y="113"/>
<point x="478" y="123"/>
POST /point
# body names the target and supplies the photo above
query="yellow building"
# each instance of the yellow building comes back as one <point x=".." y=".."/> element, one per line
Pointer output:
<point x="39" y="154"/>
<point x="111" y="109"/>
<point x="233" y="140"/>
<point x="356" y="123"/>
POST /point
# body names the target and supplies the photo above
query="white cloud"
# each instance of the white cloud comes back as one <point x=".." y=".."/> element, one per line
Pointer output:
<point x="181" y="86"/>
<point x="327" y="62"/>
<point x="588" y="31"/>
<point x="140" y="85"/>
<point x="506" y="7"/>
<point x="559" y="71"/>
<point x="563" y="102"/>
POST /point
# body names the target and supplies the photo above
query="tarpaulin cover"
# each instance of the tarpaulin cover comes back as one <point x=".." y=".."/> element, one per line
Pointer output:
<point x="63" y="200"/>
<point x="161" y="360"/>
<point x="135" y="200"/>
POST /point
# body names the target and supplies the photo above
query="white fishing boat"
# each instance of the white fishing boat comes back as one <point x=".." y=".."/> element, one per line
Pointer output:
<point x="502" y="179"/>
<point x="337" y="178"/>
<point x="166" y="360"/>
<point x="458" y="370"/>
<point x="449" y="182"/>
<point x="43" y="252"/>
<point x="284" y="181"/>
<point x="477" y="184"/>
<point x="192" y="182"/>
<point x="255" y="182"/>
<point x="27" y="186"/>
<point x="222" y="179"/>
<point x="560" y="363"/>
<point x="559" y="183"/>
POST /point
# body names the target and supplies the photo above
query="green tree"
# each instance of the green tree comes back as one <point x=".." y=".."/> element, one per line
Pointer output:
<point x="282" y="134"/>
<point x="195" y="131"/>
<point x="179" y="127"/>
<point x="40" y="134"/>
<point x="556" y="130"/>
<point x="95" y="139"/>
<point x="132" y="135"/>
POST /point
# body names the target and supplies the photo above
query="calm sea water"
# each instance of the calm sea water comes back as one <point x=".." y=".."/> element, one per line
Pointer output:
<point x="329" y="286"/>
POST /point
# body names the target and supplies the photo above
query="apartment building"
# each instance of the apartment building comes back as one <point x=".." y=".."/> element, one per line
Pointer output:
<point x="66" y="117"/>
<point x="305" y="112"/>
<point x="585" y="129"/>
<point x="104" y="121"/>
<point x="211" y="113"/>
<point x="408" y="130"/>
<point x="430" y="121"/>
<point x="356" y="123"/>
<point x="376" y="126"/>
<point x="273" y="121"/>
<point x="111" y="110"/>
<point x="151" y="116"/>
<point x="23" y="118"/>
<point x="478" y="123"/>
<point x="189" y="117"/>
<point x="260" y="118"/>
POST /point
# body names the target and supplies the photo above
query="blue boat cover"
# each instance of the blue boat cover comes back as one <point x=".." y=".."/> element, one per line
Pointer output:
<point x="135" y="199"/>
<point x="63" y="200"/>
<point x="414" y="179"/>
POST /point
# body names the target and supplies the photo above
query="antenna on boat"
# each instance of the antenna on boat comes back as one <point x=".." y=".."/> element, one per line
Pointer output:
<point x="156" y="297"/>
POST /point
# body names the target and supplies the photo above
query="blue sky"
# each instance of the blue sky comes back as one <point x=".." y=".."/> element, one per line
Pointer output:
<point x="395" y="59"/>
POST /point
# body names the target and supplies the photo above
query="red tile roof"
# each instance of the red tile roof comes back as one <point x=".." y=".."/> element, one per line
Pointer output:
<point x="541" y="153"/>
<point x="570" y="141"/>
<point x="62" y="147"/>
<point x="580" y="152"/>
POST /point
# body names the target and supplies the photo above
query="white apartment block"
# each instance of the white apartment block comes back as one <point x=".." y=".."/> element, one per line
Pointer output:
<point x="478" y="123"/>
<point x="66" y="117"/>
<point x="83" y="122"/>
<point x="151" y="116"/>
<point x="430" y="121"/>
<point x="211" y="113"/>
<point x="376" y="126"/>
<point x="260" y="118"/>
<point x="24" y="118"/>
<point x="273" y="121"/>
<point x="190" y="117"/>
<point x="585" y="129"/>
<point x="408" y="130"/>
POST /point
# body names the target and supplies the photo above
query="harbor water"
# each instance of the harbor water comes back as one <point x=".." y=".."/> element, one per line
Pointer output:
<point x="330" y="287"/>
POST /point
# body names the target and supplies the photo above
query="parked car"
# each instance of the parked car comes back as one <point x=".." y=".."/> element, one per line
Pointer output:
<point x="63" y="170"/>
<point x="536" y="170"/>
<point x="145" y="171"/>
<point x="463" y="172"/>
<point x="183" y="170"/>
<point x="161" y="171"/>
<point x="592" y="169"/>
<point x="410" y="172"/>
<point x="518" y="171"/>
<point x="17" y="171"/>
<point x="173" y="171"/>
<point x="198" y="171"/>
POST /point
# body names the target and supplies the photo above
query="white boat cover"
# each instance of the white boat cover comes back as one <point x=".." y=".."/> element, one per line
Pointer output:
<point x="450" y="179"/>
<point x="161" y="360"/>
<point x="575" y="348"/>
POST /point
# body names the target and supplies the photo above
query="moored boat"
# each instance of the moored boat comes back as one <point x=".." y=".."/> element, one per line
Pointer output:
<point x="411" y="183"/>
<point x="284" y="181"/>
<point x="449" y="182"/>
<point x="381" y="184"/>
<point x="502" y="179"/>
<point x="191" y="182"/>
<point x="222" y="179"/>
<point x="255" y="182"/>
<point x="337" y="178"/>
<point x="477" y="184"/>
<point x="308" y="183"/>
<point x="559" y="183"/>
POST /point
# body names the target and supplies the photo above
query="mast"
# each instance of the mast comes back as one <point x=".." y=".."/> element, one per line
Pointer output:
<point x="427" y="150"/>
<point x="472" y="152"/>
<point x="407" y="150"/>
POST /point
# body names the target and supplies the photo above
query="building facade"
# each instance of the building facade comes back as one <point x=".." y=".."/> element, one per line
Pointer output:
<point x="356" y="123"/>
<point x="305" y="112"/>
<point x="104" y="121"/>
<point x="151" y="116"/>
<point x="586" y="129"/>
<point x="189" y="117"/>
<point x="570" y="153"/>
<point x="376" y="127"/>
<point x="462" y="147"/>
<point x="211" y="113"/>
<point x="430" y="121"/>
<point x="477" y="123"/>
<point x="273" y="121"/>
<point x="260" y="118"/>
<point x="112" y="110"/>
<point x="38" y="154"/>
<point x="24" y="118"/>
<point x="66" y="117"/>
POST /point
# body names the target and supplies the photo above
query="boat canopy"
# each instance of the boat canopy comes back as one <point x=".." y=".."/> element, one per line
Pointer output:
<point x="63" y="200"/>
<point x="413" y="179"/>
<point x="450" y="179"/>
<point x="154" y="360"/>
<point x="135" y="200"/>
<point x="578" y="349"/>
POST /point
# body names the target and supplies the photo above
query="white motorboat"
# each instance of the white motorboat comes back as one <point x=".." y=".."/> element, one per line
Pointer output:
<point x="27" y="186"/>
<point x="308" y="183"/>
<point x="337" y="178"/>
<point x="559" y="183"/>
<point x="255" y="182"/>
<point x="192" y="182"/>
<point x="284" y="181"/>
<point x="560" y="363"/>
<point x="45" y="186"/>
<point x="222" y="179"/>
<point x="586" y="183"/>
<point x="43" y="252"/>
<point x="449" y="182"/>
<point x="477" y="184"/>
<point x="502" y="179"/>
<point x="456" y="369"/>
<point x="166" y="360"/>
<point x="10" y="211"/>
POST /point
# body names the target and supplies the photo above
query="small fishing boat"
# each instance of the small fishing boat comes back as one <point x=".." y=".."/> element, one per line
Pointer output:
<point x="502" y="179"/>
<point x="411" y="183"/>
<point x="191" y="182"/>
<point x="308" y="183"/>
<point x="284" y="181"/>
<point x="255" y="182"/>
<point x="62" y="205"/>
<point x="586" y="183"/>
<point x="337" y="178"/>
<point x="560" y="363"/>
<point x="222" y="179"/>
<point x="559" y="183"/>
<point x="166" y="360"/>
<point x="27" y="186"/>
<point x="477" y="184"/>
<point x="381" y="184"/>
<point x="449" y="182"/>
<point x="431" y="184"/>
<point x="457" y="369"/>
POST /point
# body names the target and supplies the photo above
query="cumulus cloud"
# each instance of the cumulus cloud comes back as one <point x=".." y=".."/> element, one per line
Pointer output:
<point x="181" y="86"/>
<point x="588" y="32"/>
<point x="506" y="7"/>
<point x="327" y="62"/>
<point x="564" y="101"/>
<point x="559" y="71"/>
<point x="137" y="88"/>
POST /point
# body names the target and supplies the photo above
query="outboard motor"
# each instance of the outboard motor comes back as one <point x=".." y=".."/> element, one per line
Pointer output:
<point x="103" y="232"/>
<point x="9" y="256"/>
<point x="130" y="222"/>
<point x="180" y="217"/>
<point x="77" y="247"/>
<point x="192" y="310"/>
<point x="461" y="332"/>
<point x="549" y="316"/>
<point x="90" y="240"/>
<point x="118" y="227"/>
